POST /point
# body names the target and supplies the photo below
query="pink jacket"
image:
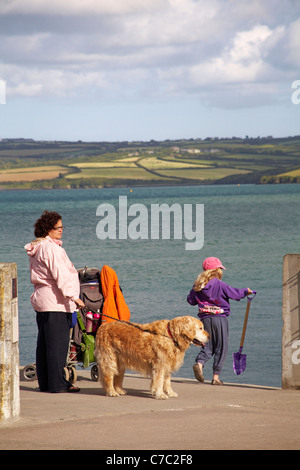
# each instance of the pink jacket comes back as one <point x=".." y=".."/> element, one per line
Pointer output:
<point x="55" y="279"/>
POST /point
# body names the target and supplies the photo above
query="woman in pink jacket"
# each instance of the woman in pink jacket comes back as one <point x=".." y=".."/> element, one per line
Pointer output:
<point x="55" y="297"/>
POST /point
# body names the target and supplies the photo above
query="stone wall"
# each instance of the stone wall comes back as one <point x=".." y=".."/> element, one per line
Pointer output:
<point x="291" y="322"/>
<point x="9" y="343"/>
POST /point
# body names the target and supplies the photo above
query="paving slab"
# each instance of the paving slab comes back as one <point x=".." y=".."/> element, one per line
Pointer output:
<point x="228" y="417"/>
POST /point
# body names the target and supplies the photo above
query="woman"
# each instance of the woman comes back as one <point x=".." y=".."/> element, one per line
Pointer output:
<point x="212" y="296"/>
<point x="55" y="297"/>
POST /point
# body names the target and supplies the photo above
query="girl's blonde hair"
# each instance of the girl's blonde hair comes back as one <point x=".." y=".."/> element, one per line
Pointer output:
<point x="205" y="277"/>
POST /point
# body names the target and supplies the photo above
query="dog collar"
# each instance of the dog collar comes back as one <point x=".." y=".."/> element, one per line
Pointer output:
<point x="170" y="334"/>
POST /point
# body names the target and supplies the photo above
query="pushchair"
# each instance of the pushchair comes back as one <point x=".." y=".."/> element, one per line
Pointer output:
<point x="86" y="324"/>
<point x="83" y="332"/>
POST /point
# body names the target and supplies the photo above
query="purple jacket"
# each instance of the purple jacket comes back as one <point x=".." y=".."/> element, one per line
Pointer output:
<point x="214" y="298"/>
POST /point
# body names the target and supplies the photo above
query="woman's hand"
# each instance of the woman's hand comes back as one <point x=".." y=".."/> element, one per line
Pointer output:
<point x="79" y="303"/>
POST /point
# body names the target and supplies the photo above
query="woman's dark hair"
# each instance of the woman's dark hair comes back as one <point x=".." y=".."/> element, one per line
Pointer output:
<point x="45" y="223"/>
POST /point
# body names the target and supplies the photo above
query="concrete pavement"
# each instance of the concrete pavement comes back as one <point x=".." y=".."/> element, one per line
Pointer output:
<point x="202" y="417"/>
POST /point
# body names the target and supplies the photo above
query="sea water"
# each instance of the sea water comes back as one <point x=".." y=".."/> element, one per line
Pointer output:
<point x="249" y="227"/>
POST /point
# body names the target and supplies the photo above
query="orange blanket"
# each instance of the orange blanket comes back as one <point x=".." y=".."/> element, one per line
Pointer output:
<point x="114" y="302"/>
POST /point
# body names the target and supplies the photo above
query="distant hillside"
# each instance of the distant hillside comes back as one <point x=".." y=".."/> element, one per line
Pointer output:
<point x="25" y="163"/>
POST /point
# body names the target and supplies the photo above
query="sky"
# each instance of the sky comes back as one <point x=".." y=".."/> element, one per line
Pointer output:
<point x="136" y="70"/>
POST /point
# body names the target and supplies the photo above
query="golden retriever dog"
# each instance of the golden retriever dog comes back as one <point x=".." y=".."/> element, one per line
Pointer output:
<point x="154" y="349"/>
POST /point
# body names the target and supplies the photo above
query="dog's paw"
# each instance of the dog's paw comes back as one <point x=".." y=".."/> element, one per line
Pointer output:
<point x="160" y="396"/>
<point x="112" y="393"/>
<point x="120" y="391"/>
<point x="172" y="394"/>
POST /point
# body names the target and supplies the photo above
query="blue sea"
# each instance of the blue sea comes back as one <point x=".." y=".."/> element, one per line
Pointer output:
<point x="249" y="227"/>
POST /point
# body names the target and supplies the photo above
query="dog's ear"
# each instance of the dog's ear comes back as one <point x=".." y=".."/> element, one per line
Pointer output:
<point x="189" y="329"/>
<point x="183" y="331"/>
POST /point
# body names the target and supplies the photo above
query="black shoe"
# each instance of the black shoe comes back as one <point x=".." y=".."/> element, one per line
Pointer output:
<point x="73" y="389"/>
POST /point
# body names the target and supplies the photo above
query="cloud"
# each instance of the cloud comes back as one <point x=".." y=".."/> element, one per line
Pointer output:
<point x="285" y="50"/>
<point x="76" y="7"/>
<point x="223" y="52"/>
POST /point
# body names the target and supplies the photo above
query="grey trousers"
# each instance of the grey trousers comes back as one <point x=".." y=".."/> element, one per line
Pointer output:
<point x="217" y="346"/>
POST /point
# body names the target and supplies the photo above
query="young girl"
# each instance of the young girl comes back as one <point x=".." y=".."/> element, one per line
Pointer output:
<point x="212" y="297"/>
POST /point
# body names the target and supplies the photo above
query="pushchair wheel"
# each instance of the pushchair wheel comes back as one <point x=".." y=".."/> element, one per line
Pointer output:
<point x="70" y="374"/>
<point x="29" y="372"/>
<point x="95" y="373"/>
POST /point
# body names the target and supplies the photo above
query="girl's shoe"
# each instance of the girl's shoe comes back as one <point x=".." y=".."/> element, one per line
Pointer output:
<point x="197" y="368"/>
<point x="216" y="382"/>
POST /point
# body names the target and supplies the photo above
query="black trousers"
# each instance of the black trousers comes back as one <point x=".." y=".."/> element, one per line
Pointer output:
<point x="52" y="349"/>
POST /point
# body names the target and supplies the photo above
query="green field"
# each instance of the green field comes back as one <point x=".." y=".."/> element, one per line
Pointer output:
<point x="294" y="173"/>
<point x="33" y="164"/>
<point x="204" y="174"/>
<point x="113" y="173"/>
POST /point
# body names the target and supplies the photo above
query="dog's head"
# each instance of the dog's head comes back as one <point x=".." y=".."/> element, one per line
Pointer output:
<point x="186" y="330"/>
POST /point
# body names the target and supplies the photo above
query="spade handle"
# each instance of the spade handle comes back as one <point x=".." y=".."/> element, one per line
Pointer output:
<point x="246" y="318"/>
<point x="245" y="325"/>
